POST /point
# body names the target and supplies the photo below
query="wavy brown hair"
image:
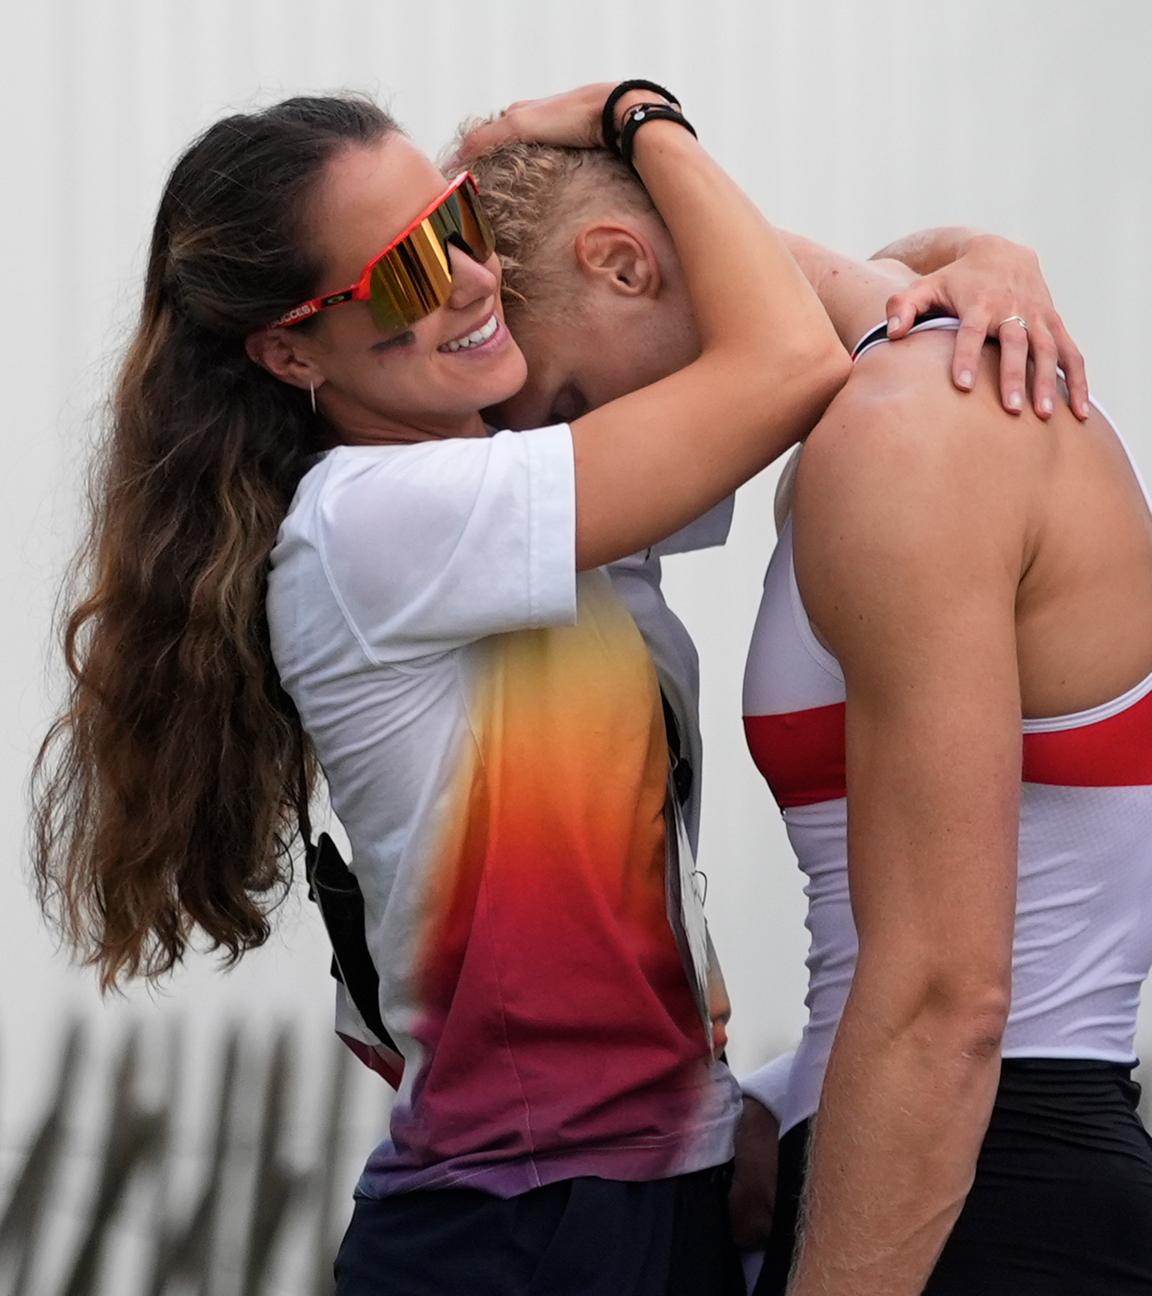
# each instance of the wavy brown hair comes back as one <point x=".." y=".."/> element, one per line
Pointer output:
<point x="165" y="795"/>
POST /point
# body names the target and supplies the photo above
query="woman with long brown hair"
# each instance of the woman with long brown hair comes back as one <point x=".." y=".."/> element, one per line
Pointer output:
<point x="306" y="546"/>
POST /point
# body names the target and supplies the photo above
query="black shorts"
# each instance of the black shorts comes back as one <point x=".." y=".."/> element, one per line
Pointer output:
<point x="581" y="1237"/>
<point x="1062" y="1200"/>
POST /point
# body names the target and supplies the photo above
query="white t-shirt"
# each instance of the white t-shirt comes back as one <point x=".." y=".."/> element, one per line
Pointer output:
<point x="490" y="727"/>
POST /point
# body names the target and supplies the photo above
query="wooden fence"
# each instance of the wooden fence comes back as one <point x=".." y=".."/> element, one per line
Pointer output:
<point x="259" y="1216"/>
<point x="256" y="1201"/>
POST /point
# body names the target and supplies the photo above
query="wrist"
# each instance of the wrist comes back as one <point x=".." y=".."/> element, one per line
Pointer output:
<point x="641" y="116"/>
<point x="624" y="97"/>
<point x="633" y="99"/>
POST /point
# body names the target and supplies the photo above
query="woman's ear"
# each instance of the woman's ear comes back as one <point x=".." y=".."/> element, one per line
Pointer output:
<point x="621" y="259"/>
<point x="275" y="350"/>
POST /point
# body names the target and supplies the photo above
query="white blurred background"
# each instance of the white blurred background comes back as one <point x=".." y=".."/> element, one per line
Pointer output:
<point x="850" y="122"/>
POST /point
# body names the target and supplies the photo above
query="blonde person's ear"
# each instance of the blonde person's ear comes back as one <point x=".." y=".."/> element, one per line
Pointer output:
<point x="280" y="354"/>
<point x="621" y="259"/>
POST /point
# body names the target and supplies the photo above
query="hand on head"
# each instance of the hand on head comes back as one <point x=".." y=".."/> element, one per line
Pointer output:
<point x="574" y="119"/>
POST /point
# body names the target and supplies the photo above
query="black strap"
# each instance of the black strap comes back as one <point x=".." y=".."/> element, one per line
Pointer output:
<point x="880" y="332"/>
<point x="333" y="887"/>
<point x="608" y="131"/>
<point x="683" y="775"/>
<point x="303" y="817"/>
<point x="646" y="113"/>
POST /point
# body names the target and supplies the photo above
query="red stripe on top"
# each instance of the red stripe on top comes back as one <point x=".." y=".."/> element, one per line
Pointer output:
<point x="801" y="754"/>
<point x="1116" y="752"/>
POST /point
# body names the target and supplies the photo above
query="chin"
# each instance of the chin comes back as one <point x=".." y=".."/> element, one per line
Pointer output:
<point x="504" y="383"/>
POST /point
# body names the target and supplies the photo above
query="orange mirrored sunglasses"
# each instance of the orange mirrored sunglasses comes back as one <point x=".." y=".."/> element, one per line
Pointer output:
<point x="413" y="275"/>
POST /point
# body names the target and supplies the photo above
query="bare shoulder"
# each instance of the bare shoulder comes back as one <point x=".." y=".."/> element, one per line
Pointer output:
<point x="899" y="434"/>
<point x="915" y="505"/>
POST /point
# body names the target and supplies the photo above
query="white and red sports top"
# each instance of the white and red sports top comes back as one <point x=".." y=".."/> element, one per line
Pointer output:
<point x="1083" y="942"/>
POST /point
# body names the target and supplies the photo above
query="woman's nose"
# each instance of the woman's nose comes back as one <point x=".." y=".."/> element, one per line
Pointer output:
<point x="472" y="280"/>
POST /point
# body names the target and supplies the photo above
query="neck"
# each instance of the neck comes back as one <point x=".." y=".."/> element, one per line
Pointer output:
<point x="365" y="428"/>
<point x="854" y="293"/>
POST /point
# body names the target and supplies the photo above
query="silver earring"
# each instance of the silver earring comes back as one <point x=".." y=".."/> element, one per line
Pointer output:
<point x="312" y="395"/>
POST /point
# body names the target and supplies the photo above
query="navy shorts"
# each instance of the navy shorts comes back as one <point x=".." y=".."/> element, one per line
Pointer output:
<point x="1062" y="1200"/>
<point x="580" y="1237"/>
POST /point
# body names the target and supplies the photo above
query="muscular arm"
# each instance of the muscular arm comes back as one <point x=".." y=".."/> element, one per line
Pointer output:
<point x="910" y="541"/>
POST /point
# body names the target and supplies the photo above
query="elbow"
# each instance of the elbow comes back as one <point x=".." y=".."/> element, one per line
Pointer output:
<point x="978" y="1032"/>
<point x="967" y="1017"/>
<point x="798" y="382"/>
<point x="817" y="375"/>
<point x="954" y="1014"/>
<point x="829" y="369"/>
<point x="814" y="369"/>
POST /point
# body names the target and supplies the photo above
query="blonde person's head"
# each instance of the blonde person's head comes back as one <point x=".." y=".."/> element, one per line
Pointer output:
<point x="537" y="196"/>
<point x="592" y="287"/>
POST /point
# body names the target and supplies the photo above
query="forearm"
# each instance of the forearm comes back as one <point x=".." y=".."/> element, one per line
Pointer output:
<point x="749" y="297"/>
<point x="928" y="250"/>
<point x="902" y="1116"/>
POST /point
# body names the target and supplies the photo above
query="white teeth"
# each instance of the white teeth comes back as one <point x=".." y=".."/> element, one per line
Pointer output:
<point x="476" y="338"/>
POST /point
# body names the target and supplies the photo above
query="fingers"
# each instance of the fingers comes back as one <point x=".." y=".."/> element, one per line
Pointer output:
<point x="903" y="307"/>
<point x="511" y="125"/>
<point x="1013" y="365"/>
<point x="479" y="140"/>
<point x="1045" y="379"/>
<point x="1075" y="375"/>
<point x="569" y="120"/>
<point x="970" y="339"/>
<point x="975" y="325"/>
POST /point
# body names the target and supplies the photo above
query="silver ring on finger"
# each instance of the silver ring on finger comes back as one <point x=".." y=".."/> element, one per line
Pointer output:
<point x="1013" y="319"/>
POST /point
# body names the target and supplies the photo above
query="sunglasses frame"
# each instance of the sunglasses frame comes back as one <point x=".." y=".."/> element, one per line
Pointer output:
<point x="361" y="290"/>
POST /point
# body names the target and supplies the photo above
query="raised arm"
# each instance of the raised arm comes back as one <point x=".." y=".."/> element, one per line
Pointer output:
<point x="770" y="361"/>
<point x="910" y="541"/>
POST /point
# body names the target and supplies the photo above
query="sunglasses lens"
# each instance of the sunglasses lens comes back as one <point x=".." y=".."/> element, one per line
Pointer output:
<point x="462" y="220"/>
<point x="411" y="281"/>
<point x="415" y="277"/>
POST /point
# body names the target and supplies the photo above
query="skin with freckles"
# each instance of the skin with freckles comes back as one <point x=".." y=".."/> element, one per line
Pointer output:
<point x="392" y="387"/>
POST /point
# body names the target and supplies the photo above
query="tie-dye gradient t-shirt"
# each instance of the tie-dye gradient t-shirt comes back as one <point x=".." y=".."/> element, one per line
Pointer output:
<point x="489" y="722"/>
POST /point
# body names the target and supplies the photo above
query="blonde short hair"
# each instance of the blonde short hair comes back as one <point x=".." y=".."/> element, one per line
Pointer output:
<point x="535" y="194"/>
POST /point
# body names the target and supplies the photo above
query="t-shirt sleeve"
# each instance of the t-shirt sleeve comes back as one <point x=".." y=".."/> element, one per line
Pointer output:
<point x="428" y="547"/>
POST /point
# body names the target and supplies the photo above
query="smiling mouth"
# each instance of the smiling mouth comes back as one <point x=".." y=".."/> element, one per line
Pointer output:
<point x="476" y="338"/>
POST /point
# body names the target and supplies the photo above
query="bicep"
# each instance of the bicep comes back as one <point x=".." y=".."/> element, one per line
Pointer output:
<point x="933" y="779"/>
